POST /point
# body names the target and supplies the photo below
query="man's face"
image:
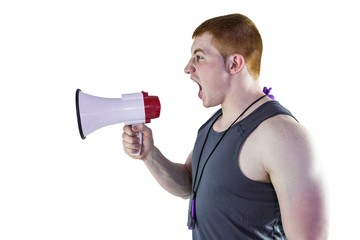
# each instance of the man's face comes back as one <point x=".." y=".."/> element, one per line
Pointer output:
<point x="207" y="68"/>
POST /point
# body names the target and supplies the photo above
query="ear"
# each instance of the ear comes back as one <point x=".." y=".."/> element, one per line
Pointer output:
<point x="235" y="63"/>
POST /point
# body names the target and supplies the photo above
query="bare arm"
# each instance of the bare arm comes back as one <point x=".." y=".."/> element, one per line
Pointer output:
<point x="173" y="177"/>
<point x="297" y="176"/>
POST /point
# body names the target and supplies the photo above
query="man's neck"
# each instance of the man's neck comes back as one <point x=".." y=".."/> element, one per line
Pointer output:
<point x="232" y="108"/>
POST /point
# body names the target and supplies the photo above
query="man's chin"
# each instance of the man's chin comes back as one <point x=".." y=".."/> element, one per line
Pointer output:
<point x="209" y="105"/>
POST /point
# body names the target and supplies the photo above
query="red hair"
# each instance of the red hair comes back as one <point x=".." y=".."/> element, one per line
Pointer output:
<point x="235" y="34"/>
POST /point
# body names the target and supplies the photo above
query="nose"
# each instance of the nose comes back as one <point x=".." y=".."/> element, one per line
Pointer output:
<point x="189" y="68"/>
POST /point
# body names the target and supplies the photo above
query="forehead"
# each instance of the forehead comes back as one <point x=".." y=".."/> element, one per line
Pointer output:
<point x="203" y="43"/>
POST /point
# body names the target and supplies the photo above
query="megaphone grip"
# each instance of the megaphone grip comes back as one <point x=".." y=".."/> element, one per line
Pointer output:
<point x="139" y="135"/>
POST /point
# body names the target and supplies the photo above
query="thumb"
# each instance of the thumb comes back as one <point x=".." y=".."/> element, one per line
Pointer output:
<point x="146" y="131"/>
<point x="139" y="127"/>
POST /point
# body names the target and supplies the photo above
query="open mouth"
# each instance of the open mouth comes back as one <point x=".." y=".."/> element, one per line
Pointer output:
<point x="200" y="90"/>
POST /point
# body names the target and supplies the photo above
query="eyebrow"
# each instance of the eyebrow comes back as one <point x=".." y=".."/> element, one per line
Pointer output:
<point x="198" y="50"/>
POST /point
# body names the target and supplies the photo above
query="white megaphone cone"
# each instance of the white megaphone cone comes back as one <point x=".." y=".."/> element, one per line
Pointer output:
<point x="96" y="112"/>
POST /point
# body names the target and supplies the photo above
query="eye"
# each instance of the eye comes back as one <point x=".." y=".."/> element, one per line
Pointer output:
<point x="198" y="58"/>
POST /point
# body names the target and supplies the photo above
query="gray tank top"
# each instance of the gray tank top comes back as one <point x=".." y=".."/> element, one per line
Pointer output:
<point x="228" y="204"/>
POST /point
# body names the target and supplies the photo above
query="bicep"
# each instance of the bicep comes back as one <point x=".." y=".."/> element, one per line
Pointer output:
<point x="297" y="178"/>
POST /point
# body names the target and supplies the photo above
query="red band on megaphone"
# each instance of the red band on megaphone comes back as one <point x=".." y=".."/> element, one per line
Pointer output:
<point x="152" y="107"/>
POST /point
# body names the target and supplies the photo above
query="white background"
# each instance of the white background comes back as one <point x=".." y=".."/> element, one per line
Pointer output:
<point x="54" y="185"/>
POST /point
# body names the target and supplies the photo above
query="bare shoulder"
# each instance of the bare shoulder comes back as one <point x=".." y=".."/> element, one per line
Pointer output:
<point x="291" y="161"/>
<point x="286" y="142"/>
<point x="283" y="127"/>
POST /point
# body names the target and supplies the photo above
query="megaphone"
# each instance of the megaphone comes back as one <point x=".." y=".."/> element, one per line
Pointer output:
<point x="95" y="112"/>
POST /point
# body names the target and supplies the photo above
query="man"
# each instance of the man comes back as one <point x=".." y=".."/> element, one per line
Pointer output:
<point x="253" y="172"/>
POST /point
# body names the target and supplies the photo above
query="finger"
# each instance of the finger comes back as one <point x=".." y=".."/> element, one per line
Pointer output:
<point x="131" y="138"/>
<point x="131" y="149"/>
<point x="131" y="141"/>
<point x="145" y="130"/>
<point x="129" y="131"/>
